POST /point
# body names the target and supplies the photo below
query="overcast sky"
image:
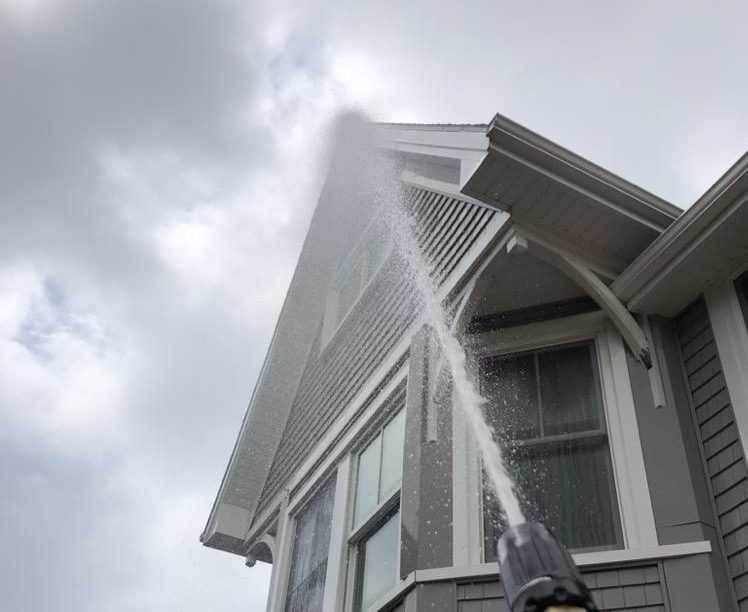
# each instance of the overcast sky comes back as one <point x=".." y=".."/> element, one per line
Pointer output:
<point x="159" y="162"/>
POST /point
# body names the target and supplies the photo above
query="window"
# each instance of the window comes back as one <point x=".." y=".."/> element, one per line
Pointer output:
<point x="546" y="409"/>
<point x="355" y="273"/>
<point x="306" y="583"/>
<point x="376" y="516"/>
<point x="741" y="286"/>
<point x="378" y="562"/>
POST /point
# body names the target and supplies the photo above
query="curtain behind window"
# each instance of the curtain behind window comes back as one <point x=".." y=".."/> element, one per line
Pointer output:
<point x="546" y="410"/>
<point x="306" y="584"/>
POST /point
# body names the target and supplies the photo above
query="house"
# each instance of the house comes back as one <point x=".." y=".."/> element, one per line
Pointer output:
<point x="605" y="327"/>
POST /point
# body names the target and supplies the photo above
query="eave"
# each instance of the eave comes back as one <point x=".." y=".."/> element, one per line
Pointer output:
<point x="555" y="192"/>
<point x="706" y="245"/>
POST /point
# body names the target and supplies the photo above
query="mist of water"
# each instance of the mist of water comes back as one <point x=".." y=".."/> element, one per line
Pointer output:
<point x="466" y="396"/>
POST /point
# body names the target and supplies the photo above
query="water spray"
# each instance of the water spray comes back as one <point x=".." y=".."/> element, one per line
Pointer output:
<point x="539" y="574"/>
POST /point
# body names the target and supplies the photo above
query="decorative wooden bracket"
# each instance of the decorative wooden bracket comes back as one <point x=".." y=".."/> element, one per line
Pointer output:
<point x="577" y="271"/>
<point x="256" y="551"/>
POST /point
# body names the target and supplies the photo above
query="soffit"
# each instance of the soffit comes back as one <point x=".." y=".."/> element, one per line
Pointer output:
<point x="555" y="192"/>
<point x="516" y="281"/>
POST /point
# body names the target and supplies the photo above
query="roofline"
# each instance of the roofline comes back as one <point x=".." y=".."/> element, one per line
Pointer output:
<point x="435" y="127"/>
<point x="649" y="200"/>
<point x="206" y="536"/>
<point x="649" y="267"/>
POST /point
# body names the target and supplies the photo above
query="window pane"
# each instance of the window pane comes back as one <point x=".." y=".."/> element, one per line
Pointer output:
<point x="378" y="568"/>
<point x="510" y="385"/>
<point x="569" y="487"/>
<point x="310" y="550"/>
<point x="569" y="395"/>
<point x="367" y="486"/>
<point x="567" y="484"/>
<point x="349" y="286"/>
<point x="392" y="455"/>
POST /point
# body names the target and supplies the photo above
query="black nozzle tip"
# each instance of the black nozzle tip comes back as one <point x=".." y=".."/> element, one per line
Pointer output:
<point x="538" y="572"/>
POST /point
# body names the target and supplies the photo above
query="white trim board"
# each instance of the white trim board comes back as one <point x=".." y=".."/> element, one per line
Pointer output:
<point x="731" y="338"/>
<point x="337" y="557"/>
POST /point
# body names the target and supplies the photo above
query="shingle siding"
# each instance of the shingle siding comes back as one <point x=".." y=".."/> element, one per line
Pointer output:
<point x="718" y="435"/>
<point x="448" y="228"/>
<point x="632" y="588"/>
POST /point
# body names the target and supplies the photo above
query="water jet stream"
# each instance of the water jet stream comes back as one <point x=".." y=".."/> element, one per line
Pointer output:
<point x="465" y="394"/>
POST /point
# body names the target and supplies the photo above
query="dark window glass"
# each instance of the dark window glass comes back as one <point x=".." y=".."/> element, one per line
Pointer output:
<point x="306" y="584"/>
<point x="741" y="286"/>
<point x="546" y="409"/>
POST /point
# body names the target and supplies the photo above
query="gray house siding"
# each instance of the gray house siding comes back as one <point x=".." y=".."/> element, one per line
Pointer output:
<point x="637" y="589"/>
<point x="448" y="227"/>
<point x="426" y="498"/>
<point x="665" y="585"/>
<point x="717" y="432"/>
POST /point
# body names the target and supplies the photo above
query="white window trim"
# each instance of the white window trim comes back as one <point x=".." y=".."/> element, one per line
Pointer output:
<point x="330" y="322"/>
<point x="282" y="563"/>
<point x="635" y="508"/>
<point x="731" y="338"/>
<point x="352" y="550"/>
<point x="366" y="527"/>
<point x="338" y="577"/>
<point x="337" y="559"/>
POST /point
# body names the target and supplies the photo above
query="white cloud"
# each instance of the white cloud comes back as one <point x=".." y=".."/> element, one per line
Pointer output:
<point x="155" y="187"/>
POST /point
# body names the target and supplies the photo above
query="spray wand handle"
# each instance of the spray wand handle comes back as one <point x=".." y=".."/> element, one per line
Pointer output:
<point x="538" y="573"/>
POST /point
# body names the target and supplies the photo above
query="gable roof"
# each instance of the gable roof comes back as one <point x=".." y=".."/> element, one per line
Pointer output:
<point x="545" y="188"/>
<point x="336" y="217"/>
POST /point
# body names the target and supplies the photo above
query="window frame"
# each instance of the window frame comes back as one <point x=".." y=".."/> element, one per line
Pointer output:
<point x="331" y="480"/>
<point x="629" y="475"/>
<point x="600" y="432"/>
<point x="357" y="256"/>
<point x="360" y="531"/>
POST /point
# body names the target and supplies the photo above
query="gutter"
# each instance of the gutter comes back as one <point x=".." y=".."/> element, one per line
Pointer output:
<point x="643" y="274"/>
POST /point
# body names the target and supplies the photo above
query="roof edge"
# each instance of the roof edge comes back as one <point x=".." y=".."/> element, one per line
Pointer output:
<point x="644" y="271"/>
<point x="503" y="124"/>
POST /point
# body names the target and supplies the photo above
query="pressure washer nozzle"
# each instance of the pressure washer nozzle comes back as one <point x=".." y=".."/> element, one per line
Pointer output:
<point x="538" y="573"/>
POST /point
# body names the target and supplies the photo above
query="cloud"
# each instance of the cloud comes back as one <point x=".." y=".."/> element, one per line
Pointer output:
<point x="158" y="166"/>
<point x="155" y="174"/>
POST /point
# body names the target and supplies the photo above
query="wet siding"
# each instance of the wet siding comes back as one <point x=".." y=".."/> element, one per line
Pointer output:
<point x="636" y="589"/>
<point x="723" y="452"/>
<point x="448" y="229"/>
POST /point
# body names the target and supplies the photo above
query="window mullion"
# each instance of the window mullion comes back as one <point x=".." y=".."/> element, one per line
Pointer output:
<point x="379" y="470"/>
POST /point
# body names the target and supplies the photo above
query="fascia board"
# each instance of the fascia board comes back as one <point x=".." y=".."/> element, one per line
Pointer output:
<point x="449" y="142"/>
<point x="685" y="235"/>
<point x="504" y="133"/>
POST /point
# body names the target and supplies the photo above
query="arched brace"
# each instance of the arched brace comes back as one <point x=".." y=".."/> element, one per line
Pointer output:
<point x="262" y="549"/>
<point x="575" y="269"/>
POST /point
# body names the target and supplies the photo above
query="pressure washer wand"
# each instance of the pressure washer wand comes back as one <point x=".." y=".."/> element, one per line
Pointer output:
<point x="539" y="574"/>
